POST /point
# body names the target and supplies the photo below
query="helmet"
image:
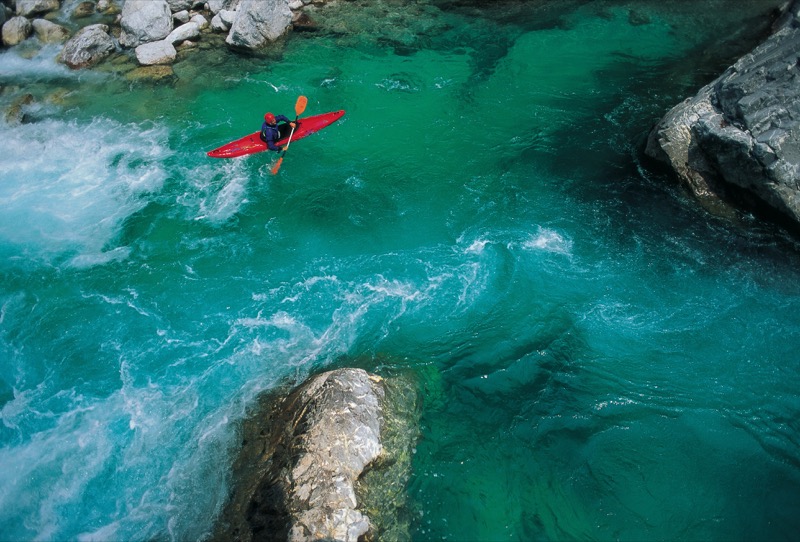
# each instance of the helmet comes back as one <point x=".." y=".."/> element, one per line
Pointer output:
<point x="269" y="118"/>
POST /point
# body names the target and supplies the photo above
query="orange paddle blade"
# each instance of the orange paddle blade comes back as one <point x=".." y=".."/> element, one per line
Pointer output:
<point x="300" y="106"/>
<point x="277" y="166"/>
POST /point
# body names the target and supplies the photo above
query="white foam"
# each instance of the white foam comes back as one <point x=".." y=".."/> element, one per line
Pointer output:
<point x="72" y="185"/>
<point x="547" y="240"/>
<point x="477" y="246"/>
<point x="42" y="66"/>
<point x="219" y="190"/>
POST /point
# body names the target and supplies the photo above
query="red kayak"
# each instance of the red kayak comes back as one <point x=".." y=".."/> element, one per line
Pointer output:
<point x="252" y="143"/>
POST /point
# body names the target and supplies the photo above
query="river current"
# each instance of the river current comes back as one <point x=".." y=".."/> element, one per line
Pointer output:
<point x="599" y="357"/>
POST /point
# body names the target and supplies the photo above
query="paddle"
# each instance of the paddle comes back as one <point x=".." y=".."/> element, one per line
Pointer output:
<point x="299" y="107"/>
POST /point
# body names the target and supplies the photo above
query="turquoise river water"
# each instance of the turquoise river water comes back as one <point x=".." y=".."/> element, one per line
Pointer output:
<point x="599" y="358"/>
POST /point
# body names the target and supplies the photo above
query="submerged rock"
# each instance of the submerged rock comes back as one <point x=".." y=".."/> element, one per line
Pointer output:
<point x="739" y="137"/>
<point x="315" y="463"/>
<point x="151" y="74"/>
<point x="84" y="9"/>
<point x="16" y="111"/>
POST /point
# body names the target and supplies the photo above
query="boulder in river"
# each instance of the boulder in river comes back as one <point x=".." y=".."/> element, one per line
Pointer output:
<point x="49" y="32"/>
<point x="16" y="30"/>
<point x="87" y="47"/>
<point x="27" y="8"/>
<point x="738" y="139"/>
<point x="156" y="52"/>
<point x="329" y="462"/>
<point x="83" y="10"/>
<point x="259" y="22"/>
<point x="144" y="21"/>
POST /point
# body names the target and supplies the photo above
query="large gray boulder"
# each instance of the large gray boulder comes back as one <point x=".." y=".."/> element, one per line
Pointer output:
<point x="259" y="22"/>
<point x="317" y="461"/>
<point x="144" y="21"/>
<point x="26" y="8"/>
<point x="16" y="30"/>
<point x="739" y="137"/>
<point x="87" y="47"/>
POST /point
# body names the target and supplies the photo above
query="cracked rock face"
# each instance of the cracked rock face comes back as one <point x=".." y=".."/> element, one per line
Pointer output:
<point x="743" y="129"/>
<point x="313" y="465"/>
<point x="341" y="436"/>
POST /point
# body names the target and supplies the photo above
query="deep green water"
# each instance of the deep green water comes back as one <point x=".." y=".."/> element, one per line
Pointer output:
<point x="599" y="358"/>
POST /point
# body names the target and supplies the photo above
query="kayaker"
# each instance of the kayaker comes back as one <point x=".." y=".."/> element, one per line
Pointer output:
<point x="269" y="130"/>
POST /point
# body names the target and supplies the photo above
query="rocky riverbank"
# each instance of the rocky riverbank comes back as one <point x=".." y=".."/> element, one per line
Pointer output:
<point x="151" y="30"/>
<point x="737" y="142"/>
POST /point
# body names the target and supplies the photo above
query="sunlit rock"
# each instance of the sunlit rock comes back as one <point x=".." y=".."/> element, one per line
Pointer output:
<point x="330" y="462"/>
<point x="16" y="30"/>
<point x="184" y="32"/>
<point x="144" y="21"/>
<point x="87" y="47"/>
<point x="223" y="20"/>
<point x="258" y="22"/>
<point x="156" y="52"/>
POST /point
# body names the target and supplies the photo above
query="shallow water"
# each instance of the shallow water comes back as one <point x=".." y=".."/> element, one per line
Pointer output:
<point x="600" y="359"/>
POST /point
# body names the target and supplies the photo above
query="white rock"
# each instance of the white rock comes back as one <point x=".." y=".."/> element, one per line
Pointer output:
<point x="88" y="46"/>
<point x="144" y="21"/>
<point x="156" y="52"/>
<point x="296" y="4"/>
<point x="184" y="32"/>
<point x="258" y="22"/>
<point x="218" y="25"/>
<point x="227" y="16"/>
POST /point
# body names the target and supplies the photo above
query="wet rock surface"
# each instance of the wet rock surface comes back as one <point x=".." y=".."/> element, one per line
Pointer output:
<point x="739" y="137"/>
<point x="329" y="462"/>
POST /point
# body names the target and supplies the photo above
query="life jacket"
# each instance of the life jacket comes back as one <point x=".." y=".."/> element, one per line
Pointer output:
<point x="268" y="130"/>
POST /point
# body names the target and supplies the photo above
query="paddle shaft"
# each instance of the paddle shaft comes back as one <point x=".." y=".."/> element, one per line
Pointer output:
<point x="299" y="107"/>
